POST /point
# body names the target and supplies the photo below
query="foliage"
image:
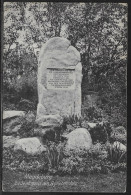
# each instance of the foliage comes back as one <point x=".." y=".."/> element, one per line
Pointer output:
<point x="70" y="165"/>
<point x="98" y="151"/>
<point x="85" y="165"/>
<point x="97" y="30"/>
<point x="92" y="114"/>
<point x="23" y="162"/>
<point x="98" y="160"/>
<point x="102" y="42"/>
<point x="72" y="120"/>
<point x="119" y="134"/>
<point x="115" y="155"/>
<point x="54" y="156"/>
<point x="118" y="137"/>
<point x="101" y="132"/>
<point x="56" y="15"/>
<point x="23" y="85"/>
<point x="119" y="167"/>
<point x="7" y="105"/>
<point x="116" y="115"/>
<point x="27" y="125"/>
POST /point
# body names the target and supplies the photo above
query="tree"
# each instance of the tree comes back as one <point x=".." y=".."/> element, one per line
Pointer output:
<point x="97" y="30"/>
<point x="56" y="16"/>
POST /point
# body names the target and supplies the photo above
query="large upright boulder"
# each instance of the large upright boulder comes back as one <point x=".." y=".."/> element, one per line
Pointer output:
<point x="59" y="82"/>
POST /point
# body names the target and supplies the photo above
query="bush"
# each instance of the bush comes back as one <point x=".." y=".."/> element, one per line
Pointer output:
<point x="116" y="115"/>
<point x="27" y="125"/>
<point x="101" y="133"/>
<point x="92" y="114"/>
<point x="26" y="87"/>
<point x="22" y="88"/>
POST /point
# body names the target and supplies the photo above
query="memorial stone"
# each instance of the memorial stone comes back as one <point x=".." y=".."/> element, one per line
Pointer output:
<point x="59" y="82"/>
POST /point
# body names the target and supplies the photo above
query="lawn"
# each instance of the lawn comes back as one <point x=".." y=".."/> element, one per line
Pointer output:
<point x="15" y="181"/>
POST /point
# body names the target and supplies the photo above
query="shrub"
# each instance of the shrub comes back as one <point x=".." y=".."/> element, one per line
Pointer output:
<point x="92" y="114"/>
<point x="27" y="125"/>
<point x="101" y="133"/>
<point x="26" y="105"/>
<point x="117" y="115"/>
<point x="26" y="86"/>
<point x="22" y="88"/>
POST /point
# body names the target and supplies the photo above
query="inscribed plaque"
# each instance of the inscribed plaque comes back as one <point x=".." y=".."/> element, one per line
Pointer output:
<point x="60" y="79"/>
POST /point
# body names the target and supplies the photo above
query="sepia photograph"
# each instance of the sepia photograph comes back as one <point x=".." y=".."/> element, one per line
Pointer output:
<point x="64" y="97"/>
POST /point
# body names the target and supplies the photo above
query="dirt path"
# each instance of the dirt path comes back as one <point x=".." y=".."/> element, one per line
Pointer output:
<point x="14" y="181"/>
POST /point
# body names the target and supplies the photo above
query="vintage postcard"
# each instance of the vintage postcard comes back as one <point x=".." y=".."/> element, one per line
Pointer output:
<point x="64" y="97"/>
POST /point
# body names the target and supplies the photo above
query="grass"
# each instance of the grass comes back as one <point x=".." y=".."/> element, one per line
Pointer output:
<point x="15" y="181"/>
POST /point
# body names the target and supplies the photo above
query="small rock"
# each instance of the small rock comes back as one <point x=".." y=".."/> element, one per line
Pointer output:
<point x="65" y="135"/>
<point x="120" y="129"/>
<point x="119" y="146"/>
<point x="42" y="131"/>
<point x="119" y="134"/>
<point x="25" y="101"/>
<point x="11" y="126"/>
<point x="9" y="141"/>
<point x="92" y="125"/>
<point x="12" y="113"/>
<point x="30" y="117"/>
<point x="16" y="128"/>
<point x="39" y="132"/>
<point x="49" y="120"/>
<point x="30" y="145"/>
<point x="84" y="124"/>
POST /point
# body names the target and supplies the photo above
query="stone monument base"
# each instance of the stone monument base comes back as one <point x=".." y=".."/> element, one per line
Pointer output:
<point x="49" y="120"/>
